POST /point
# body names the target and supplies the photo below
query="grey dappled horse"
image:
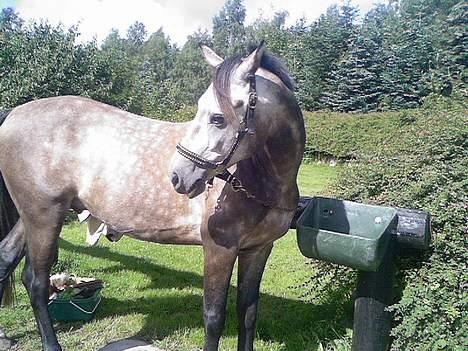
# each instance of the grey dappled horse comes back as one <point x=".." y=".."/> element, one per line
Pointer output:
<point x="71" y="152"/>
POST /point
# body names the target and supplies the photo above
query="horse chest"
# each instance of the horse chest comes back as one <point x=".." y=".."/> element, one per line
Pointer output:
<point x="272" y="227"/>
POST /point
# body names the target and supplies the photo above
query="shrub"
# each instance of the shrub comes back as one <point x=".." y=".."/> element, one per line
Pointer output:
<point x="421" y="165"/>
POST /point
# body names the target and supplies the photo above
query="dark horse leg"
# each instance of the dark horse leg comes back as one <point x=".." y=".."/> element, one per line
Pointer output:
<point x="11" y="253"/>
<point x="250" y="270"/>
<point x="12" y="249"/>
<point x="41" y="248"/>
<point x="218" y="264"/>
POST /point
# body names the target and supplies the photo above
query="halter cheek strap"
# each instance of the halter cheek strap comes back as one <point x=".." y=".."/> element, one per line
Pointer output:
<point x="251" y="105"/>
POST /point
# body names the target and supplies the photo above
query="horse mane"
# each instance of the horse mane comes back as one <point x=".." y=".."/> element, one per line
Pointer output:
<point x="222" y="79"/>
<point x="272" y="64"/>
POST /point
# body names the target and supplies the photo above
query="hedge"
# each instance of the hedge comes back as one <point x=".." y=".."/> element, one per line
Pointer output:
<point x="412" y="159"/>
<point x="345" y="136"/>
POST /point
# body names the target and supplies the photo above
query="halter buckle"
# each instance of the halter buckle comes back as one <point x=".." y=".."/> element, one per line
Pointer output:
<point x="253" y="97"/>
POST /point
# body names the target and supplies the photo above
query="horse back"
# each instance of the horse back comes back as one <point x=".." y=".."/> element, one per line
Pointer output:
<point x="112" y="162"/>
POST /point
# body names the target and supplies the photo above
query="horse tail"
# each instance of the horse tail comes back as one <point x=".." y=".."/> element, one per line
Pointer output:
<point x="8" y="218"/>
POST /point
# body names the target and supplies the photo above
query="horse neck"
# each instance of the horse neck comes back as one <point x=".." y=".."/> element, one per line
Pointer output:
<point x="272" y="170"/>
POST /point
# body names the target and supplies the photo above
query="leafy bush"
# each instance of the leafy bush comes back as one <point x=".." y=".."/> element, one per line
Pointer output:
<point x="422" y="164"/>
<point x="42" y="60"/>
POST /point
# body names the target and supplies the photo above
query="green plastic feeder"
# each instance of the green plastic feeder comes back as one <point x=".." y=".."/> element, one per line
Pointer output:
<point x="344" y="232"/>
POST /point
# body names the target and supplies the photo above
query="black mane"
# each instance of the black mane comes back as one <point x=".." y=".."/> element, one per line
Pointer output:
<point x="274" y="65"/>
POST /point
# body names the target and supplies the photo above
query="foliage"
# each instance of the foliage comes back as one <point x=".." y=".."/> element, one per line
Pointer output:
<point x="332" y="135"/>
<point x="228" y="29"/>
<point x="421" y="165"/>
<point x="395" y="58"/>
<point x="41" y="60"/>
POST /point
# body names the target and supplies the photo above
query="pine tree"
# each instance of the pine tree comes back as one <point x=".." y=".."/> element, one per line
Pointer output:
<point x="136" y="36"/>
<point x="228" y="29"/>
<point x="356" y="81"/>
<point x="409" y="53"/>
<point x="10" y="21"/>
<point x="457" y="44"/>
<point x="314" y="49"/>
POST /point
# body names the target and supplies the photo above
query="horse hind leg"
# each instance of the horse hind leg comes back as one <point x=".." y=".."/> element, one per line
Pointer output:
<point x="12" y="249"/>
<point x="41" y="249"/>
<point x="250" y="270"/>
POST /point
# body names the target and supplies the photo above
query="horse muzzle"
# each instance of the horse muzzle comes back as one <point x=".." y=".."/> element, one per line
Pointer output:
<point x="192" y="184"/>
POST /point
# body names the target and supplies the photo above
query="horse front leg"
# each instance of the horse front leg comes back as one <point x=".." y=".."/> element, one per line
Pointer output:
<point x="250" y="270"/>
<point x="41" y="250"/>
<point x="218" y="265"/>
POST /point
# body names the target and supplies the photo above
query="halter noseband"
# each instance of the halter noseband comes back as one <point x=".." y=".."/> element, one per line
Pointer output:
<point x="246" y="126"/>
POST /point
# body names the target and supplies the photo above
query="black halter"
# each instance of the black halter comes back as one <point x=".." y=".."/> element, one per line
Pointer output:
<point x="246" y="126"/>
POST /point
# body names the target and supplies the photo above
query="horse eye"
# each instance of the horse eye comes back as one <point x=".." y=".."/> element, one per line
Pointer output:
<point x="217" y="119"/>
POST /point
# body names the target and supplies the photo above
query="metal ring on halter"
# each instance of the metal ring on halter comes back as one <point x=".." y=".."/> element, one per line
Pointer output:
<point x="236" y="184"/>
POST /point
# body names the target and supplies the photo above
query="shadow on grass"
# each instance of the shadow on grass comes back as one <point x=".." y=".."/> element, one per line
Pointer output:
<point x="296" y="324"/>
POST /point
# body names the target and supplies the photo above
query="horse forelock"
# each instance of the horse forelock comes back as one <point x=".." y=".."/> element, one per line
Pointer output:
<point x="222" y="86"/>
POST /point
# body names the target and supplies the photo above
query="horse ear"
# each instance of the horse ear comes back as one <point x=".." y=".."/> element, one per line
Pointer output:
<point x="251" y="63"/>
<point x="211" y="57"/>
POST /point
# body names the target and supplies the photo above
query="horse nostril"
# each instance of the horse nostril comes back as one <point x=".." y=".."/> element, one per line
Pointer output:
<point x="174" y="179"/>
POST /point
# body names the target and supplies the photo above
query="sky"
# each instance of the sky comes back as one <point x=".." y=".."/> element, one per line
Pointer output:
<point x="178" y="18"/>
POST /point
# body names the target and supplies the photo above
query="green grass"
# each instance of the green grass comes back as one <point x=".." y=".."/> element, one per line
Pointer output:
<point x="154" y="292"/>
<point x="313" y="178"/>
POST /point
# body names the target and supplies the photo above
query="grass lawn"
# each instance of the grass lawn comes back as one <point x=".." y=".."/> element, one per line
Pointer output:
<point x="154" y="292"/>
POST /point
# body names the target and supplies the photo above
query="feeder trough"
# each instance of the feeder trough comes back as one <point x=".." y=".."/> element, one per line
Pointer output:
<point x="367" y="238"/>
<point x="345" y="232"/>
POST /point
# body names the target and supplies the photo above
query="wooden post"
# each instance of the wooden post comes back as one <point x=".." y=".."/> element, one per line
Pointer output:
<point x="374" y="293"/>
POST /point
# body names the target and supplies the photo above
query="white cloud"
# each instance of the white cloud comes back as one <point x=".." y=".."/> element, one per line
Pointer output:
<point x="178" y="18"/>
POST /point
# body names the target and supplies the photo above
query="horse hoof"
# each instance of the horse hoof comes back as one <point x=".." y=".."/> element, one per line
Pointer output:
<point x="6" y="343"/>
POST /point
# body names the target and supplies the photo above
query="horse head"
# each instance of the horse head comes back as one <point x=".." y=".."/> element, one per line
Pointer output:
<point x="223" y="131"/>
